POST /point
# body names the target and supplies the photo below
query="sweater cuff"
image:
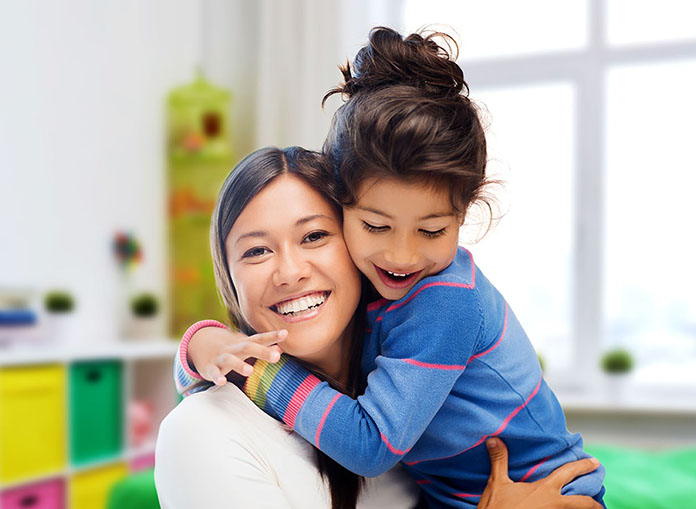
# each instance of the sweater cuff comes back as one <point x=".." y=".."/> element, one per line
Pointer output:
<point x="183" y="346"/>
<point x="280" y="389"/>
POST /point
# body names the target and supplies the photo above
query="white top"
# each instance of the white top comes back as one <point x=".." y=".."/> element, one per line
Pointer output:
<point x="216" y="449"/>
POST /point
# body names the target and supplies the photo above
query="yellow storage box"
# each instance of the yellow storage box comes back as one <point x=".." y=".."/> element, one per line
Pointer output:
<point x="32" y="421"/>
<point x="90" y="489"/>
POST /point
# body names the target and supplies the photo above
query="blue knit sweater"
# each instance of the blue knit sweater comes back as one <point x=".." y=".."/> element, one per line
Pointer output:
<point x="447" y="367"/>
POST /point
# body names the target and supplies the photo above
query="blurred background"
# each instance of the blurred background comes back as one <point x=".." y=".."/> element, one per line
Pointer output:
<point x="119" y="121"/>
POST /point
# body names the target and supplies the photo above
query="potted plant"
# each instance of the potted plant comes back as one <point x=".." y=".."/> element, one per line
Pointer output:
<point x="617" y="364"/>
<point x="144" y="313"/>
<point x="59" y="306"/>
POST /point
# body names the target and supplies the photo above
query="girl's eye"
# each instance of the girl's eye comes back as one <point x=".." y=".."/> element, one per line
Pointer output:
<point x="315" y="236"/>
<point x="434" y="234"/>
<point x="374" y="229"/>
<point x="255" y="251"/>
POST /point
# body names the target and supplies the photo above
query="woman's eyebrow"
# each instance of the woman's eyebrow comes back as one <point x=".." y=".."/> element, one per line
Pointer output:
<point x="258" y="233"/>
<point x="307" y="219"/>
<point x="299" y="222"/>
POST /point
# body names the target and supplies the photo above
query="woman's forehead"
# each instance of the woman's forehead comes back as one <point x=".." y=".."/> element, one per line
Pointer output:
<point x="286" y="203"/>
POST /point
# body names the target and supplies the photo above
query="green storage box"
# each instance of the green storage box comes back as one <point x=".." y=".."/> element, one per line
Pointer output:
<point x="96" y="418"/>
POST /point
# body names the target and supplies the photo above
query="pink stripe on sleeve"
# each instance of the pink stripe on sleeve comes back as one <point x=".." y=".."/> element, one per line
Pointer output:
<point x="533" y="469"/>
<point x="497" y="342"/>
<point x="376" y="304"/>
<point x="323" y="418"/>
<point x="433" y="366"/>
<point x="298" y="399"/>
<point x="495" y="433"/>
<point x="183" y="347"/>
<point x="391" y="447"/>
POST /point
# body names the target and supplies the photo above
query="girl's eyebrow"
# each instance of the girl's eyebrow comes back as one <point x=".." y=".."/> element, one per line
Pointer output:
<point x="424" y="218"/>
<point x="299" y="222"/>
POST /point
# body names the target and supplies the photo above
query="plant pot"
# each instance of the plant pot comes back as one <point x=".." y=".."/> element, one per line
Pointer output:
<point x="143" y="328"/>
<point x="616" y="386"/>
<point x="60" y="328"/>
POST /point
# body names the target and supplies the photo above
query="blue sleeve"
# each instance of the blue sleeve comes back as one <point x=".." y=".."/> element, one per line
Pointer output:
<point x="427" y="346"/>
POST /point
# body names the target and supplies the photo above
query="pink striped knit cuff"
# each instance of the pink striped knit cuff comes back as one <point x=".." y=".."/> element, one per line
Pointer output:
<point x="183" y="346"/>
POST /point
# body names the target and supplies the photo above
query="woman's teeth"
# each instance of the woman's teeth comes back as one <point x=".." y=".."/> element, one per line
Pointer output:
<point x="296" y="306"/>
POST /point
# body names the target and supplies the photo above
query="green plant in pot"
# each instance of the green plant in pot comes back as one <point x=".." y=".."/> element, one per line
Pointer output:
<point x="59" y="306"/>
<point x="59" y="301"/>
<point x="618" y="361"/>
<point x="144" y="311"/>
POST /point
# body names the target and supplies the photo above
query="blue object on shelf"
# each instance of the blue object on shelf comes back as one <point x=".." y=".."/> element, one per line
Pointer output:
<point x="17" y="317"/>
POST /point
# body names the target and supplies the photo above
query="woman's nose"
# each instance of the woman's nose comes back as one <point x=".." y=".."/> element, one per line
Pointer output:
<point x="290" y="269"/>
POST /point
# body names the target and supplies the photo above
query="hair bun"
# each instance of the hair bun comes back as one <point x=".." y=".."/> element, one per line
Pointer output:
<point x="417" y="61"/>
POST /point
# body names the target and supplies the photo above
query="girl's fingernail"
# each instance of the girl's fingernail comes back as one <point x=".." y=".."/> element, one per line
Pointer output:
<point x="275" y="356"/>
<point x="492" y="443"/>
<point x="595" y="461"/>
<point x="282" y="333"/>
<point x="248" y="370"/>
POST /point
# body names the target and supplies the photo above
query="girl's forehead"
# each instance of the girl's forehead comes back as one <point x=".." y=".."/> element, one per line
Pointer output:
<point x="410" y="196"/>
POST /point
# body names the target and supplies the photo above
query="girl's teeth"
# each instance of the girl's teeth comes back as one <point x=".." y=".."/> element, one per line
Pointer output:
<point x="397" y="275"/>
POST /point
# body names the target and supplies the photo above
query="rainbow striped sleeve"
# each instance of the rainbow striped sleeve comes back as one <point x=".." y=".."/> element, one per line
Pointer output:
<point x="280" y="389"/>
<point x="186" y="378"/>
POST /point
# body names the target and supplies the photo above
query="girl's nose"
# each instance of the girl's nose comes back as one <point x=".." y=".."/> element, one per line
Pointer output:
<point x="402" y="253"/>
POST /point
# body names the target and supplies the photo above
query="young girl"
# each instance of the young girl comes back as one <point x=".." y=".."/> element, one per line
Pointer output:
<point x="447" y="365"/>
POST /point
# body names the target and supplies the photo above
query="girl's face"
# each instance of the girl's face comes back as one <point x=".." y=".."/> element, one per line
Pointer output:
<point x="291" y="269"/>
<point x="400" y="232"/>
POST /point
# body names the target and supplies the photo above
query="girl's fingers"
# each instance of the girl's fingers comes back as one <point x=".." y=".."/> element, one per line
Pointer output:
<point x="257" y="351"/>
<point x="499" y="460"/>
<point x="566" y="473"/>
<point x="227" y="362"/>
<point x="213" y="373"/>
<point x="580" y="502"/>
<point x="269" y="338"/>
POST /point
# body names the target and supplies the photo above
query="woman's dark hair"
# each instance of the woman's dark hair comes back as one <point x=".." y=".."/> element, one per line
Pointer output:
<point x="248" y="179"/>
<point x="408" y="116"/>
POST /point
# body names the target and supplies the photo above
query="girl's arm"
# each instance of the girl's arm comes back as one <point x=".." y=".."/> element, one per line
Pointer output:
<point x="502" y="493"/>
<point x="209" y="351"/>
<point x="417" y="367"/>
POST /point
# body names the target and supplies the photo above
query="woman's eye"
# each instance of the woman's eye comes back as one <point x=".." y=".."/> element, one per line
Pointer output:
<point x="433" y="234"/>
<point x="255" y="251"/>
<point x="374" y="229"/>
<point x="315" y="236"/>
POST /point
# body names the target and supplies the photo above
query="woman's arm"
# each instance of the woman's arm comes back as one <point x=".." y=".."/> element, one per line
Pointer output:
<point x="502" y="493"/>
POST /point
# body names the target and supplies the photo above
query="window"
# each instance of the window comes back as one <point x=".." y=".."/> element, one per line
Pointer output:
<point x="592" y="127"/>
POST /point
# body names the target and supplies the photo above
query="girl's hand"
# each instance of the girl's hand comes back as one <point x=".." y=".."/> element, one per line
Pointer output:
<point x="502" y="493"/>
<point x="214" y="352"/>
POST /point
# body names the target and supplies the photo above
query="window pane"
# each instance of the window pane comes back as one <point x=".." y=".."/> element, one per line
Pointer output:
<point x="644" y="21"/>
<point x="495" y="28"/>
<point x="651" y="215"/>
<point x="528" y="254"/>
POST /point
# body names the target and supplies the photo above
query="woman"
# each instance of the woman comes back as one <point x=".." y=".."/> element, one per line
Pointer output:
<point x="276" y="235"/>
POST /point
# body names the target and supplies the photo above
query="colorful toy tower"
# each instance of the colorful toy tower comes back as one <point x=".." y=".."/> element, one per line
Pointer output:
<point x="199" y="158"/>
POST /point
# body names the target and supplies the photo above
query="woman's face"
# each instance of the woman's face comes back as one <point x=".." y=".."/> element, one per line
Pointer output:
<point x="292" y="270"/>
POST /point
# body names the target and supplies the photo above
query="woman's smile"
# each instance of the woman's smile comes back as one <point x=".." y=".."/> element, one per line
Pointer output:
<point x="291" y="269"/>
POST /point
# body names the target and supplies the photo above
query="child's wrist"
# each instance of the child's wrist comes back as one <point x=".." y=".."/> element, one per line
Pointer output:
<point x="184" y="357"/>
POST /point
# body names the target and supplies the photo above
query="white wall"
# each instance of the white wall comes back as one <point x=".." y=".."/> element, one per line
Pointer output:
<point x="82" y="92"/>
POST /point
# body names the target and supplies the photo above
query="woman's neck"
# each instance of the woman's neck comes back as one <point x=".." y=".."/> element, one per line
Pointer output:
<point x="335" y="361"/>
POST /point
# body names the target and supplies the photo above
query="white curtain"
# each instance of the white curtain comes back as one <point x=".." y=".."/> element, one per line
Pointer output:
<point x="280" y="57"/>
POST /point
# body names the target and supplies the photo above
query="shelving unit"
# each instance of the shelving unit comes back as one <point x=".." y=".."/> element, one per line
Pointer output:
<point x="39" y="389"/>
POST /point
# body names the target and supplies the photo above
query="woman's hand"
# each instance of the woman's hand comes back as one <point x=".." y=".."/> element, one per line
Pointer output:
<point x="215" y="352"/>
<point x="502" y="493"/>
